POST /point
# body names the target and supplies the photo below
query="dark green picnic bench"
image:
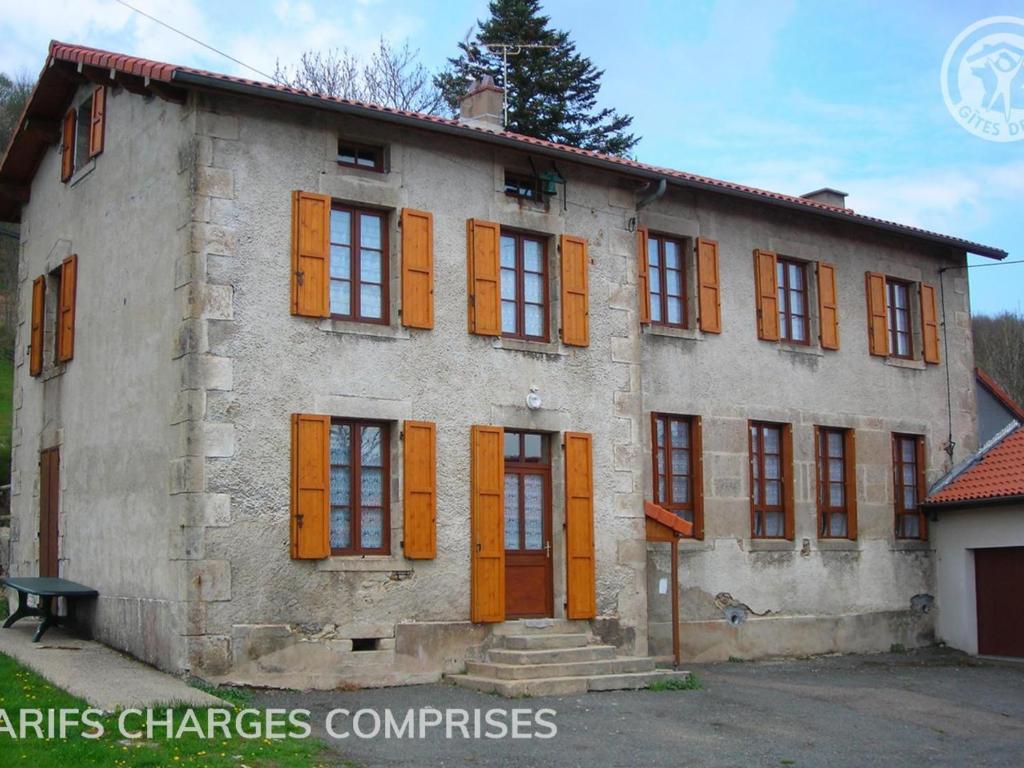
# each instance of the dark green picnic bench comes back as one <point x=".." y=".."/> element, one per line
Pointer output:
<point x="47" y="589"/>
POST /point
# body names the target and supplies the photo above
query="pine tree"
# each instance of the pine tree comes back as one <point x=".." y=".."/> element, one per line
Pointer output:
<point x="552" y="92"/>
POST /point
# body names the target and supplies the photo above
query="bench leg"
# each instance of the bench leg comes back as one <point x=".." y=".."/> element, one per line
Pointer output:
<point x="23" y="610"/>
<point x="49" y="618"/>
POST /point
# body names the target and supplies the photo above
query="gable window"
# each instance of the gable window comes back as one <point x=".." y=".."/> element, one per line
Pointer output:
<point x="791" y="277"/>
<point x="677" y="485"/>
<point x="360" y="482"/>
<point x="360" y="156"/>
<point x="837" y="488"/>
<point x="359" y="269"/>
<point x="524" y="286"/>
<point x="667" y="277"/>
<point x="908" y="477"/>
<point x="521" y="185"/>
<point x="770" y="483"/>
<point x="83" y="119"/>
<point x="898" y="308"/>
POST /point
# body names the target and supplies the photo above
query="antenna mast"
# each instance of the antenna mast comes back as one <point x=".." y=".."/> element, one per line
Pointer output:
<point x="509" y="49"/>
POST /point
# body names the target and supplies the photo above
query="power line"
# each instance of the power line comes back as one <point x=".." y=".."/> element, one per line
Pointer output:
<point x="993" y="264"/>
<point x="196" y="40"/>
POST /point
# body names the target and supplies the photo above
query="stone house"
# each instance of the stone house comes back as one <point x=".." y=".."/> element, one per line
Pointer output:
<point x="315" y="392"/>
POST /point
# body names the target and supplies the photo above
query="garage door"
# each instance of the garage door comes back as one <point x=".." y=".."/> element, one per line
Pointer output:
<point x="999" y="580"/>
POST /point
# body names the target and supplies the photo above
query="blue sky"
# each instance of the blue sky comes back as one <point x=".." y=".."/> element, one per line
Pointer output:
<point x="785" y="95"/>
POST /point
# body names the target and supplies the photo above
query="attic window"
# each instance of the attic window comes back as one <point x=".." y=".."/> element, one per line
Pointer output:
<point x="360" y="156"/>
<point x="521" y="185"/>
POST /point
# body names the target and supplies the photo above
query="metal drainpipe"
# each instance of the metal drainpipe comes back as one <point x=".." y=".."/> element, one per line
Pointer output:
<point x="652" y="196"/>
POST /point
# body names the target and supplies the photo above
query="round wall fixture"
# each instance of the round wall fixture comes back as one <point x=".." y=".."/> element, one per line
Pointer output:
<point x="533" y="401"/>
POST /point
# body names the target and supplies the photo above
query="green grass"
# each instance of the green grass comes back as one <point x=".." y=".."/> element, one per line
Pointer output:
<point x="6" y="398"/>
<point x="20" y="688"/>
<point x="690" y="683"/>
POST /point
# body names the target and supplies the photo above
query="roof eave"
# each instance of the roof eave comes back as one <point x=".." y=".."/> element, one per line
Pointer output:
<point x="215" y="83"/>
<point x="964" y="503"/>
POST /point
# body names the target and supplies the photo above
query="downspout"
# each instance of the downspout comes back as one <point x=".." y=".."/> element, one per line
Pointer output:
<point x="650" y="197"/>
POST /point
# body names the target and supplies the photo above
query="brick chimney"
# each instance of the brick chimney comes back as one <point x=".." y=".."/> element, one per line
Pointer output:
<point x="828" y="196"/>
<point x="481" y="107"/>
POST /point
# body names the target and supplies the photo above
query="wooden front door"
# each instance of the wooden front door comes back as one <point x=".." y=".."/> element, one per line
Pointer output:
<point x="999" y="585"/>
<point x="49" y="498"/>
<point x="528" y="572"/>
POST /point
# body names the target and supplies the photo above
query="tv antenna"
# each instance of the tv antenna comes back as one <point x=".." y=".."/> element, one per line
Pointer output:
<point x="509" y="49"/>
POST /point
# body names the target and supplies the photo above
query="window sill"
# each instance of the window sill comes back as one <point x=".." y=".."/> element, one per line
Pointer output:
<point x="911" y="545"/>
<point x="668" y="332"/>
<point x="52" y="371"/>
<point x="772" y="545"/>
<point x="82" y="172"/>
<point x="549" y="348"/>
<point x="364" y="563"/>
<point x="800" y="349"/>
<point x="899" y="362"/>
<point x="838" y="545"/>
<point x="368" y="330"/>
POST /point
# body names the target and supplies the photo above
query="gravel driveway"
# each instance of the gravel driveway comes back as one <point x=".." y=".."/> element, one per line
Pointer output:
<point x="929" y="707"/>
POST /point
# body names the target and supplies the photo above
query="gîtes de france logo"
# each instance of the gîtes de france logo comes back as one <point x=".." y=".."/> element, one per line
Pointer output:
<point x="983" y="78"/>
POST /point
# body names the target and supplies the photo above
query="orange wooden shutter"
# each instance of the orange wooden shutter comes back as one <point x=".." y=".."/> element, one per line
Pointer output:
<point x="828" y="306"/>
<point x="487" y="524"/>
<point x="929" y="324"/>
<point x="575" y="297"/>
<point x="850" y="476"/>
<point x="67" y="148"/>
<point x="643" y="276"/>
<point x="311" y="491"/>
<point x="922" y="484"/>
<point x="98" y="122"/>
<point x="788" y="499"/>
<point x="767" y="295"/>
<point x="709" y="295"/>
<point x="580" y="581"/>
<point x="311" y="254"/>
<point x="878" y="335"/>
<point x="35" y="350"/>
<point x="417" y="269"/>
<point x="483" y="240"/>
<point x="697" y="480"/>
<point x="419" y="492"/>
<point x="66" y="309"/>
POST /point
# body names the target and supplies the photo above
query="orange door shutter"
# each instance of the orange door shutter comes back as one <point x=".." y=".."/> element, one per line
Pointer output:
<point x="35" y="350"/>
<point x="311" y="254"/>
<point x="483" y="240"/>
<point x="419" y="492"/>
<point x="878" y="336"/>
<point x="417" y="269"/>
<point x="66" y="309"/>
<point x="580" y="581"/>
<point x="575" y="297"/>
<point x="98" y="122"/>
<point x="67" y="148"/>
<point x="929" y="324"/>
<point x="643" y="276"/>
<point x="828" y="306"/>
<point x="487" y="524"/>
<point x="709" y="296"/>
<point x="311" y="491"/>
<point x="767" y="295"/>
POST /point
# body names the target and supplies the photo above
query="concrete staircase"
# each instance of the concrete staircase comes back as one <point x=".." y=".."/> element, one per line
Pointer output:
<point x="556" y="658"/>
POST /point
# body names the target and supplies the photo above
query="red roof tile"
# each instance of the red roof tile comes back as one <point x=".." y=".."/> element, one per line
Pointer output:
<point x="998" y="472"/>
<point x="674" y="522"/>
<point x="156" y="70"/>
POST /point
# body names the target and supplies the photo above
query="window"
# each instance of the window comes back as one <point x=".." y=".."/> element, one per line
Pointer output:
<point x="82" y="122"/>
<point x="908" y="476"/>
<point x="360" y="156"/>
<point x="768" y="481"/>
<point x="898" y="308"/>
<point x="524" y="286"/>
<point x="667" y="278"/>
<point x="791" y="277"/>
<point x="677" y="485"/>
<point x="837" y="487"/>
<point x="521" y="185"/>
<point x="527" y="477"/>
<point x="360" y="482"/>
<point x="359" y="269"/>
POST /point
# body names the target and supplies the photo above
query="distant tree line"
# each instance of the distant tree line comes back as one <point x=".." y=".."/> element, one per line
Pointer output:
<point x="999" y="350"/>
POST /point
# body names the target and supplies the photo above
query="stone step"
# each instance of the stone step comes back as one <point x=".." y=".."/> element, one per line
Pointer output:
<point x="565" y="686"/>
<point x="545" y="642"/>
<point x="571" y="669"/>
<point x="556" y="656"/>
<point x="540" y="627"/>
